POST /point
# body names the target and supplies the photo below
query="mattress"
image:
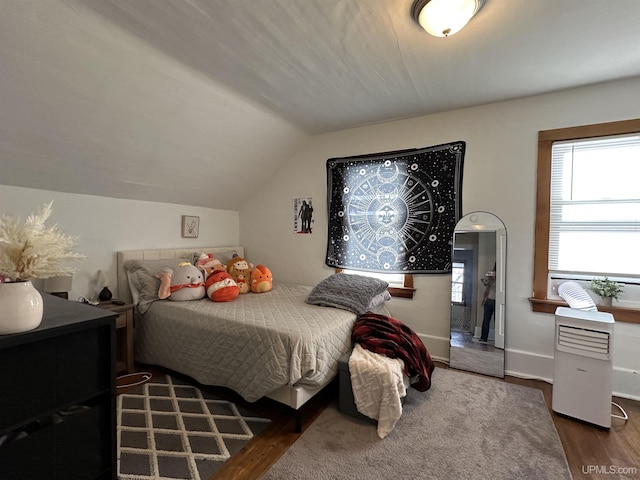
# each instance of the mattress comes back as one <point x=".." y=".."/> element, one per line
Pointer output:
<point x="254" y="344"/>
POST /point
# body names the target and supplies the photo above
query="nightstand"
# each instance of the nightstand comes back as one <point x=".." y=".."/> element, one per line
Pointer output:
<point x="124" y="334"/>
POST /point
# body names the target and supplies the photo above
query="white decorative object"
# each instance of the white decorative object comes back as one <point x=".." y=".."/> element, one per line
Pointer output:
<point x="21" y="307"/>
<point x="32" y="249"/>
<point x="606" y="301"/>
<point x="28" y="250"/>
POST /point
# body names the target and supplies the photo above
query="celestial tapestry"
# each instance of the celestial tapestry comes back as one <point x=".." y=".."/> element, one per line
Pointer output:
<point x="394" y="212"/>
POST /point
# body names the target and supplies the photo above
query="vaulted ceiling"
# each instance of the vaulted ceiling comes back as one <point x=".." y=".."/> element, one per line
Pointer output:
<point x="151" y="99"/>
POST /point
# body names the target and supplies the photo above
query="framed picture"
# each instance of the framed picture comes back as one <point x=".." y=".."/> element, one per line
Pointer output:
<point x="303" y="215"/>
<point x="190" y="226"/>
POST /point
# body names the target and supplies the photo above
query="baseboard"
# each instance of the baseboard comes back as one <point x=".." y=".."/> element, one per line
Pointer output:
<point x="535" y="366"/>
<point x="438" y="347"/>
<point x="626" y="383"/>
<point x="440" y="359"/>
<point x="529" y="365"/>
<point x="522" y="364"/>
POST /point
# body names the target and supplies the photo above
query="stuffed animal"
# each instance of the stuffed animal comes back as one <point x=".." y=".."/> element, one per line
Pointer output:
<point x="203" y="258"/>
<point x="207" y="262"/>
<point x="184" y="283"/>
<point x="261" y="279"/>
<point x="221" y="287"/>
<point x="240" y="271"/>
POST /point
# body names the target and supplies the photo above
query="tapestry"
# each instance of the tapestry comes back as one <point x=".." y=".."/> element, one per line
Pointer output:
<point x="395" y="212"/>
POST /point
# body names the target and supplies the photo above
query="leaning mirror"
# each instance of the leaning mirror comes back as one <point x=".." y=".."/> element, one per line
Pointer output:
<point x="478" y="288"/>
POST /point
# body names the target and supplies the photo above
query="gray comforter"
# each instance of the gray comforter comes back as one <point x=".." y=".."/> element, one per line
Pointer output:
<point x="253" y="344"/>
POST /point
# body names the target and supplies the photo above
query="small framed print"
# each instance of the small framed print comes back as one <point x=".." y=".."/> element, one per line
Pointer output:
<point x="303" y="215"/>
<point x="190" y="226"/>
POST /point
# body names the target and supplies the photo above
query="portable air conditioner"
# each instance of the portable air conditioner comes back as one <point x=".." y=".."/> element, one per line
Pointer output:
<point x="583" y="365"/>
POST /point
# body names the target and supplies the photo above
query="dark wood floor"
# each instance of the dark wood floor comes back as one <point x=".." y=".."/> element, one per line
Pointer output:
<point x="592" y="453"/>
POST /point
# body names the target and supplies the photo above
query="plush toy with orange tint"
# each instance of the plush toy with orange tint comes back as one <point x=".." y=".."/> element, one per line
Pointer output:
<point x="240" y="271"/>
<point x="221" y="287"/>
<point x="207" y="262"/>
<point x="261" y="279"/>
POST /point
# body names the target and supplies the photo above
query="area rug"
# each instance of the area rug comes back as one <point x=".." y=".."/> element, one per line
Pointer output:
<point x="169" y="429"/>
<point x="465" y="426"/>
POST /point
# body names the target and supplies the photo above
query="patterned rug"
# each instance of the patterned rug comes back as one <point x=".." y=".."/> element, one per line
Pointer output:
<point x="169" y="429"/>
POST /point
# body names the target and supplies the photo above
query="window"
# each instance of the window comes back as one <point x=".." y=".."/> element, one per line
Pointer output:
<point x="594" y="205"/>
<point x="457" y="283"/>
<point x="394" y="279"/>
<point x="588" y="208"/>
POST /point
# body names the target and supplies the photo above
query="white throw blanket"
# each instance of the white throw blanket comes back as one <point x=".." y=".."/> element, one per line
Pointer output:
<point x="378" y="384"/>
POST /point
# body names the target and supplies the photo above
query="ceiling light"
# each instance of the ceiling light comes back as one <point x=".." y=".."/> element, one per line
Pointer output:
<point x="442" y="18"/>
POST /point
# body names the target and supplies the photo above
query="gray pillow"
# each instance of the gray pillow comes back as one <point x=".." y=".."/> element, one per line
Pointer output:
<point x="223" y="256"/>
<point x="379" y="299"/>
<point x="348" y="292"/>
<point x="143" y="282"/>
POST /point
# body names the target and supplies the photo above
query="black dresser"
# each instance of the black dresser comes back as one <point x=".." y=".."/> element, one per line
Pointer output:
<point x="57" y="396"/>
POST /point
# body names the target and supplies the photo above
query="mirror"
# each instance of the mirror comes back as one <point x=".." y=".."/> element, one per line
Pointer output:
<point x="478" y="288"/>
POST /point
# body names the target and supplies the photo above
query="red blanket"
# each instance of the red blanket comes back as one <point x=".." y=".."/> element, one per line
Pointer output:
<point x="390" y="337"/>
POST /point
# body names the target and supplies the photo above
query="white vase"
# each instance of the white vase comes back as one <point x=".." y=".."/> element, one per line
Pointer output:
<point x="20" y="307"/>
<point x="606" y="301"/>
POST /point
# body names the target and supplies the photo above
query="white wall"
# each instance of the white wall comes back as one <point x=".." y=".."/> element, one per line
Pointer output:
<point x="499" y="177"/>
<point x="106" y="225"/>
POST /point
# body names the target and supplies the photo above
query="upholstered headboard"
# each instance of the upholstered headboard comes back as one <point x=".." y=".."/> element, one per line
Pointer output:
<point x="124" y="293"/>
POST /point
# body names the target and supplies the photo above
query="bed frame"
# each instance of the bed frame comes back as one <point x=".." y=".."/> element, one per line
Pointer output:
<point x="294" y="396"/>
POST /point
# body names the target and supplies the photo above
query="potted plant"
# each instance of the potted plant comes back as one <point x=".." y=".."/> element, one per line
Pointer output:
<point x="29" y="250"/>
<point x="606" y="289"/>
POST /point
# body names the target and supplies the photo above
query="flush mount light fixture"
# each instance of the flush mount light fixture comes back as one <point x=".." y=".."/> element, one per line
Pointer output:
<point x="442" y="18"/>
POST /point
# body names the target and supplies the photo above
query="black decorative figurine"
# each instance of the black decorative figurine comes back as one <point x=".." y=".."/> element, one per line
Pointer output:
<point x="105" y="294"/>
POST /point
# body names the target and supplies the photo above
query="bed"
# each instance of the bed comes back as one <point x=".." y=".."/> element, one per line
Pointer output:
<point x="271" y="344"/>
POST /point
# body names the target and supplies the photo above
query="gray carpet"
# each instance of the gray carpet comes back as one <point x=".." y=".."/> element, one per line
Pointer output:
<point x="465" y="427"/>
<point x="169" y="429"/>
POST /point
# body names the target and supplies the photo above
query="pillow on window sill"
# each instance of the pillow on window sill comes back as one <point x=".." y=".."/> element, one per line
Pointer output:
<point x="379" y="299"/>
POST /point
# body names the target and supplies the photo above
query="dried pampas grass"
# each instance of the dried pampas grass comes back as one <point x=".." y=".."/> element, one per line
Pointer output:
<point x="32" y="249"/>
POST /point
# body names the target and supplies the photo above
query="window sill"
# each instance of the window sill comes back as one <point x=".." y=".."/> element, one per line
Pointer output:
<point x="405" y="291"/>
<point x="620" y="314"/>
<point x="402" y="292"/>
